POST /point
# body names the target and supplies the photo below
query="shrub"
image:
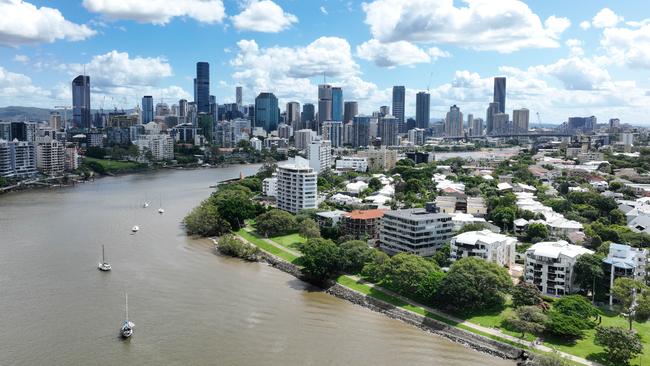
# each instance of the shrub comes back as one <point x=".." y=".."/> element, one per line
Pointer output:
<point x="232" y="246"/>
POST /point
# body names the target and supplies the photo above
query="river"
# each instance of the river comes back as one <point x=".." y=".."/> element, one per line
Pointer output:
<point x="189" y="306"/>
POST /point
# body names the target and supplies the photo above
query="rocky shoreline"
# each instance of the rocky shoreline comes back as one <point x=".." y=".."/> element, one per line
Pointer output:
<point x="457" y="335"/>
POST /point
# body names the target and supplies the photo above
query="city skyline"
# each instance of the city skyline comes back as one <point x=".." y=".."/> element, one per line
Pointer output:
<point x="569" y="61"/>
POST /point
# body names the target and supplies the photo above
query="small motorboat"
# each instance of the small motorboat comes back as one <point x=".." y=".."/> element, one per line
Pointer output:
<point x="145" y="204"/>
<point x="135" y="228"/>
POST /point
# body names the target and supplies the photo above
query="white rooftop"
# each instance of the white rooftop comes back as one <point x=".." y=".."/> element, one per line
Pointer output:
<point x="483" y="236"/>
<point x="553" y="249"/>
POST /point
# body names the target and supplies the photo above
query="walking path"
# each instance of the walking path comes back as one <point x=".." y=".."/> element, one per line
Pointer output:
<point x="465" y="323"/>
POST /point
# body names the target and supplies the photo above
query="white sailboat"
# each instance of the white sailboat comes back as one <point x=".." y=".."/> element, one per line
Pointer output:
<point x="104" y="265"/>
<point x="135" y="228"/>
<point x="127" y="327"/>
<point x="161" y="210"/>
<point x="146" y="203"/>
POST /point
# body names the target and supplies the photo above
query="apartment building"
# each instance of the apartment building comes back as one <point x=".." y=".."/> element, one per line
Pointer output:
<point x="296" y="186"/>
<point x="549" y="266"/>
<point x="362" y="224"/>
<point x="493" y="247"/>
<point x="419" y="231"/>
<point x="624" y="261"/>
<point x="50" y="157"/>
<point x="17" y="158"/>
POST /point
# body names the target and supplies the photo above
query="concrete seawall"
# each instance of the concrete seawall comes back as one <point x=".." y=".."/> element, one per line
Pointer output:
<point x="457" y="335"/>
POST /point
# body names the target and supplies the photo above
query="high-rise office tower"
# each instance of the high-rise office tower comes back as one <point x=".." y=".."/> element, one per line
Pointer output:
<point x="501" y="123"/>
<point x="422" y="108"/>
<point x="333" y="132"/>
<point x="308" y="116"/>
<point x="476" y="128"/>
<point x="388" y="130"/>
<point x="384" y="110"/>
<point x="202" y="87"/>
<point x="182" y="108"/>
<point x="520" y="119"/>
<point x="337" y="104"/>
<point x="266" y="111"/>
<point x="293" y="114"/>
<point x="147" y="109"/>
<point x="238" y="96"/>
<point x="454" y="122"/>
<point x="324" y="103"/>
<point x="81" y="101"/>
<point x="361" y="131"/>
<point x="399" y="100"/>
<point x="470" y="118"/>
<point x="493" y="109"/>
<point x="500" y="93"/>
<point x="350" y="109"/>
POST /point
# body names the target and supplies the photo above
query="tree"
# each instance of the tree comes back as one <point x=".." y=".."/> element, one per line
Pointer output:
<point x="621" y="345"/>
<point x="589" y="270"/>
<point x="230" y="245"/>
<point x="96" y="152"/>
<point x="527" y="319"/>
<point x="537" y="230"/>
<point x="503" y="216"/>
<point x="374" y="271"/>
<point x="374" y="184"/>
<point x="633" y="298"/>
<point x="473" y="283"/>
<point x="474" y="226"/>
<point x="235" y="205"/>
<point x="275" y="222"/>
<point x="412" y="276"/>
<point x="266" y="170"/>
<point x="526" y="294"/>
<point x="564" y="326"/>
<point x="441" y="256"/>
<point x="321" y="259"/>
<point x="204" y="220"/>
<point x="309" y="229"/>
<point x="355" y="254"/>
<point x="550" y="359"/>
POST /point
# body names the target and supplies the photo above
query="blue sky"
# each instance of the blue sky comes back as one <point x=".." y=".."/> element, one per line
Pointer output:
<point x="561" y="58"/>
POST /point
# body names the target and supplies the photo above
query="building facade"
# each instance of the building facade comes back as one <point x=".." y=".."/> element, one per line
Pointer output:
<point x="350" y="110"/>
<point x="422" y="110"/>
<point x="399" y="101"/>
<point x="202" y="87"/>
<point x="319" y="154"/>
<point x="549" y="266"/>
<point x="296" y="186"/>
<point x="362" y="224"/>
<point x="160" y="146"/>
<point x="266" y="112"/>
<point x="17" y="159"/>
<point x="454" y="122"/>
<point x="50" y="157"/>
<point x="493" y="247"/>
<point x="624" y="261"/>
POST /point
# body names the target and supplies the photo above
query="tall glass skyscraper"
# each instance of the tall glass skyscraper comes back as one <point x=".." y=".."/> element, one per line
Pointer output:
<point x="308" y="115"/>
<point x="266" y="111"/>
<point x="399" y="99"/>
<point x="147" y="109"/>
<point x="350" y="109"/>
<point x="337" y="104"/>
<point x="454" y="122"/>
<point x="422" y="109"/>
<point x="81" y="101"/>
<point x="202" y="87"/>
<point x="500" y="93"/>
<point x="238" y="96"/>
<point x="361" y="131"/>
<point x="324" y="103"/>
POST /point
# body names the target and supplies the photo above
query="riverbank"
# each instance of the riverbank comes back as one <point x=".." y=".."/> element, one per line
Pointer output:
<point x="381" y="302"/>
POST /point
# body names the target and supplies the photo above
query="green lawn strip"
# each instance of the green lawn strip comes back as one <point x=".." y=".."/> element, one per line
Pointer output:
<point x="251" y="237"/>
<point x="289" y="241"/>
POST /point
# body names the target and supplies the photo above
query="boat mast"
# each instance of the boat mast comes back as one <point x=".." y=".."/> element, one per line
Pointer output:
<point x="126" y="297"/>
<point x="103" y="258"/>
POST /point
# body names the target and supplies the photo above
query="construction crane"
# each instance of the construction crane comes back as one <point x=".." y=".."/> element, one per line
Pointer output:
<point x="65" y="115"/>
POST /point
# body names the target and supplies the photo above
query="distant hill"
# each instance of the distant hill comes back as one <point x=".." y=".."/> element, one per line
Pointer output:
<point x="24" y="113"/>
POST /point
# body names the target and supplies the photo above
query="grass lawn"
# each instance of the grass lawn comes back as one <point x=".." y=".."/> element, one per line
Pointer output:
<point x="289" y="241"/>
<point x="114" y="165"/>
<point x="253" y="238"/>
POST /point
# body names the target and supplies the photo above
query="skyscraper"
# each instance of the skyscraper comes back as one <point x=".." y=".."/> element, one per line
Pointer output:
<point x="470" y="118"/>
<point x="182" y="108"/>
<point x="388" y="130"/>
<point x="324" y="103"/>
<point x="333" y="132"/>
<point x="422" y="108"/>
<point x="493" y="109"/>
<point x="350" y="109"/>
<point x="361" y="131"/>
<point x="238" y="96"/>
<point x="308" y="116"/>
<point x="337" y="104"/>
<point x="202" y="87"/>
<point x="266" y="111"/>
<point x="399" y="99"/>
<point x="293" y="114"/>
<point x="500" y="93"/>
<point x="454" y="122"/>
<point x="147" y="109"/>
<point x="384" y="110"/>
<point x="81" y="101"/>
<point x="520" y="119"/>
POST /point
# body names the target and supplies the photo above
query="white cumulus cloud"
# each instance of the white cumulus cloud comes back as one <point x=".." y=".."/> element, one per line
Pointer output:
<point x="23" y="59"/>
<point x="263" y="16"/>
<point x="158" y="12"/>
<point x="628" y="46"/>
<point x="23" y="23"/>
<point x="606" y="18"/>
<point x="393" y="54"/>
<point x="503" y="26"/>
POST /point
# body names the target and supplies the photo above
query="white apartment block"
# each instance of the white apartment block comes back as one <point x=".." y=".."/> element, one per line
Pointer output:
<point x="17" y="158"/>
<point x="420" y="231"/>
<point x="302" y="138"/>
<point x="319" y="154"/>
<point x="624" y="261"/>
<point x="72" y="158"/>
<point x="416" y="136"/>
<point x="549" y="266"/>
<point x="380" y="159"/>
<point x="50" y="157"/>
<point x="296" y="186"/>
<point x="348" y="163"/>
<point x="270" y="186"/>
<point x="493" y="247"/>
<point x="161" y="146"/>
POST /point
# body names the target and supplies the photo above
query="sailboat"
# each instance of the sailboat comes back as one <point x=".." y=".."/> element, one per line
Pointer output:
<point x="127" y="327"/>
<point x="146" y="203"/>
<point x="135" y="228"/>
<point x="161" y="210"/>
<point x="104" y="265"/>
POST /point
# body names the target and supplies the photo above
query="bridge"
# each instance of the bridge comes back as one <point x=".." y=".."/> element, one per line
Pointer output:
<point x="511" y="135"/>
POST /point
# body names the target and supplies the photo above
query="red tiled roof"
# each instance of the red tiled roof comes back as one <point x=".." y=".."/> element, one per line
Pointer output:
<point x="365" y="214"/>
